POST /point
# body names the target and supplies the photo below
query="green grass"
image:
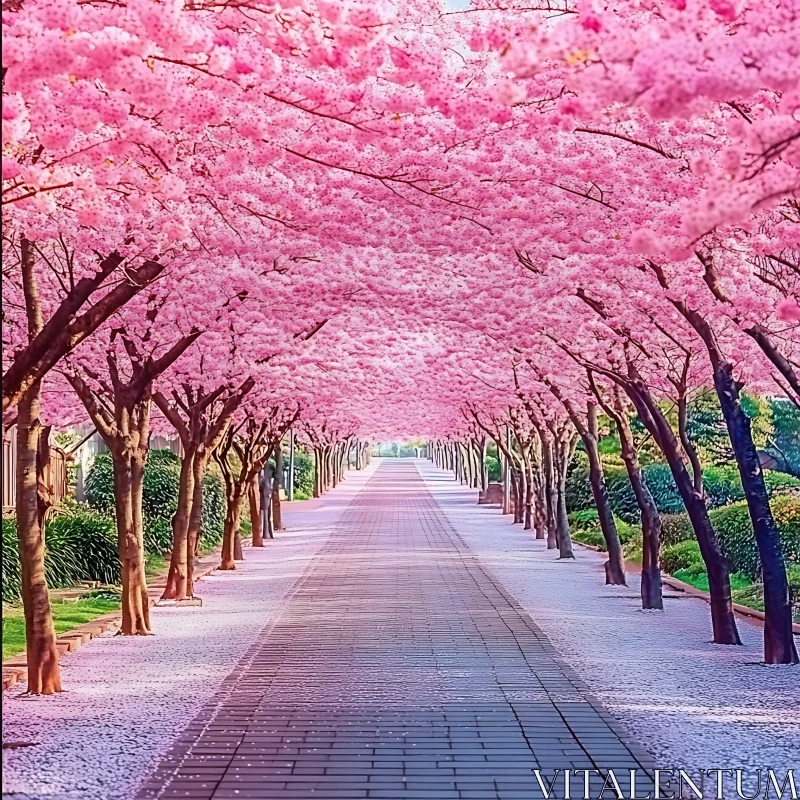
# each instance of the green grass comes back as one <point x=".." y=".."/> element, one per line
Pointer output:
<point x="154" y="564"/>
<point x="743" y="590"/>
<point x="66" y="616"/>
<point x="590" y="537"/>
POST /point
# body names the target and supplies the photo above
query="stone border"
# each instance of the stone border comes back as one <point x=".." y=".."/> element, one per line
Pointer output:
<point x="753" y="614"/>
<point x="15" y="669"/>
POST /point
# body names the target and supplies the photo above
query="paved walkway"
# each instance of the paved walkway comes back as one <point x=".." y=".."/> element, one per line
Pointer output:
<point x="690" y="703"/>
<point x="126" y="699"/>
<point x="399" y="668"/>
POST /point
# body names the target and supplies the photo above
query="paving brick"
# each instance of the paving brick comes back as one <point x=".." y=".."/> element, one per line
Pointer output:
<point x="399" y="668"/>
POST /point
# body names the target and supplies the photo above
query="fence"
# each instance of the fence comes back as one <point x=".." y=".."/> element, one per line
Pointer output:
<point x="54" y="474"/>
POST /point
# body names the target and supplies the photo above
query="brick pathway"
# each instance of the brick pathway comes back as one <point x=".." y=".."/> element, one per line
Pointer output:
<point x="398" y="669"/>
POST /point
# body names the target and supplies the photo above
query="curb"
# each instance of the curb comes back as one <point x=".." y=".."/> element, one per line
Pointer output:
<point x="15" y="669"/>
<point x="753" y="614"/>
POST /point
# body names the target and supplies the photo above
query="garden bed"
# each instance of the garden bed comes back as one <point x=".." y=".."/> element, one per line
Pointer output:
<point x="66" y="616"/>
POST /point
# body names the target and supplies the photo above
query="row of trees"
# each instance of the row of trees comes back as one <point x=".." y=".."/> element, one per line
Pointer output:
<point x="537" y="432"/>
<point x="358" y="210"/>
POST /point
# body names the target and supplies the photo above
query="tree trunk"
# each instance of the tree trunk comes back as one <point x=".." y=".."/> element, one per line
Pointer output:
<point x="482" y="465"/>
<point x="290" y="477"/>
<point x="268" y="495"/>
<point x="651" y="591"/>
<point x="265" y="498"/>
<point x="317" y="473"/>
<point x="41" y="651"/>
<point x="254" y="498"/>
<point x="563" y="534"/>
<point x="328" y="468"/>
<point x="527" y="492"/>
<point x="723" y="621"/>
<point x="232" y="515"/>
<point x="277" y="519"/>
<point x="128" y="475"/>
<point x="195" y="519"/>
<point x="614" y="567"/>
<point x="519" y="496"/>
<point x="540" y="508"/>
<point x="779" y="646"/>
<point x="238" y="555"/>
<point x="177" y="580"/>
<point x="550" y="493"/>
<point x="474" y="477"/>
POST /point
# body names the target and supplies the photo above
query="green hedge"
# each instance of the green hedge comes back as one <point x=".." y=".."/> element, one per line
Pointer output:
<point x="793" y="574"/>
<point x="675" y="528"/>
<point x="90" y="536"/>
<point x="81" y="540"/>
<point x="213" y="509"/>
<point x="620" y="492"/>
<point x="12" y="580"/>
<point x="159" y="498"/>
<point x="682" y="556"/>
<point x="735" y="533"/>
<point x="303" y="474"/>
<point x="737" y="540"/>
<point x="80" y="545"/>
<point x="585" y="528"/>
<point x="722" y="486"/>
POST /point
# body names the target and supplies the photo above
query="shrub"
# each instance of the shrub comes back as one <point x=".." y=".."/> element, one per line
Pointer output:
<point x="793" y="574"/>
<point x="786" y="510"/>
<point x="722" y="486"/>
<point x="682" y="556"/>
<point x="735" y="532"/>
<point x="593" y="537"/>
<point x="585" y="527"/>
<point x="91" y="539"/>
<point x="632" y="549"/>
<point x="159" y="498"/>
<point x="620" y="494"/>
<point x="661" y="484"/>
<point x="737" y="539"/>
<point x="80" y="544"/>
<point x="780" y="482"/>
<point x="675" y="528"/>
<point x="12" y="578"/>
<point x="213" y="510"/>
<point x="585" y="518"/>
<point x="159" y="494"/>
<point x="626" y="531"/>
<point x="303" y="473"/>
<point x="493" y="468"/>
<point x="578" y="493"/>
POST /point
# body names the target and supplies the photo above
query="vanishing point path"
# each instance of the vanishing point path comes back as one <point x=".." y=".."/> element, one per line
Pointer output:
<point x="398" y="668"/>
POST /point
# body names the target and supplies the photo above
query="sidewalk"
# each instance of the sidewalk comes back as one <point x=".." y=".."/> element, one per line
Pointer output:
<point x="398" y="669"/>
<point x="127" y="699"/>
<point x="691" y="703"/>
